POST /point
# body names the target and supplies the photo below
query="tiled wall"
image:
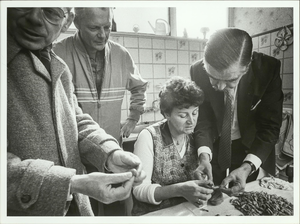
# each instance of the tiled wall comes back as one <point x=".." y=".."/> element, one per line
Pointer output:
<point x="265" y="43"/>
<point x="158" y="58"/>
<point x="263" y="24"/>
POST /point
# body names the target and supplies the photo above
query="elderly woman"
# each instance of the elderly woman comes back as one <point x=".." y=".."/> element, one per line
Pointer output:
<point x="167" y="152"/>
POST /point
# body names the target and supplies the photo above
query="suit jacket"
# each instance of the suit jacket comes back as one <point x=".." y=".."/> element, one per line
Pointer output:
<point x="49" y="138"/>
<point x="259" y="126"/>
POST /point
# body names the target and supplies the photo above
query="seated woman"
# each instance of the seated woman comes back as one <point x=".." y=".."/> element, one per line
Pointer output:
<point x="167" y="152"/>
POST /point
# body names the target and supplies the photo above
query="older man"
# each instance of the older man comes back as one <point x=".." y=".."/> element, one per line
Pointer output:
<point x="49" y="139"/>
<point x="102" y="71"/>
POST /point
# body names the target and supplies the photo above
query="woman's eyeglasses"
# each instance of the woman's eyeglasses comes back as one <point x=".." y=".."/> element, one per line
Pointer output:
<point x="52" y="15"/>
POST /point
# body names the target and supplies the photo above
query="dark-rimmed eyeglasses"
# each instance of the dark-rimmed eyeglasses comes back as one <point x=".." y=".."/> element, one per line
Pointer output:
<point x="52" y="15"/>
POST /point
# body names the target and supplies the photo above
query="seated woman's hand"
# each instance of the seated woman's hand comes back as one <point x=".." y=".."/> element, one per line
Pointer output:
<point x="196" y="191"/>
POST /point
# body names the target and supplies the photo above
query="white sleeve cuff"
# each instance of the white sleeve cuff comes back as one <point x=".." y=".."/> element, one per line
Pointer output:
<point x="205" y="149"/>
<point x="145" y="193"/>
<point x="151" y="194"/>
<point x="253" y="159"/>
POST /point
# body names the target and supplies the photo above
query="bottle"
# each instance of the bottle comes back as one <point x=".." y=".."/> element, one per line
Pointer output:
<point x="185" y="35"/>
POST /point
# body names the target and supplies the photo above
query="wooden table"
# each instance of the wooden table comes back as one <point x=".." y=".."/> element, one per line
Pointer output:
<point x="224" y="209"/>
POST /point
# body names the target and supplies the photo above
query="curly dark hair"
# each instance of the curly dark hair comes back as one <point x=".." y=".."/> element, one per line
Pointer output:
<point x="181" y="93"/>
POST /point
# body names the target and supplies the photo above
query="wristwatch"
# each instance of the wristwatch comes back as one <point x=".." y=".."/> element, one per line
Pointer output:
<point x="253" y="168"/>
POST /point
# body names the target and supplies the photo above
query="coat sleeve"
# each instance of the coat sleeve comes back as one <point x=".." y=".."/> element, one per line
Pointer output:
<point x="268" y="117"/>
<point x="93" y="142"/>
<point x="137" y="87"/>
<point x="203" y="132"/>
<point x="37" y="187"/>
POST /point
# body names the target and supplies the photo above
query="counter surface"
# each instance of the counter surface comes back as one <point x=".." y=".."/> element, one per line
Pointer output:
<point x="224" y="209"/>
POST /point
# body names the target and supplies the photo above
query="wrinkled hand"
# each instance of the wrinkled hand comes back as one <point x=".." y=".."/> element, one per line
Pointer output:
<point x="196" y="191"/>
<point x="128" y="127"/>
<point x="204" y="170"/>
<point x="238" y="178"/>
<point x="99" y="186"/>
<point x="122" y="161"/>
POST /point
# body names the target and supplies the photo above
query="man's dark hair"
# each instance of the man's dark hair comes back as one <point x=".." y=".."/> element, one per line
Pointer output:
<point x="228" y="46"/>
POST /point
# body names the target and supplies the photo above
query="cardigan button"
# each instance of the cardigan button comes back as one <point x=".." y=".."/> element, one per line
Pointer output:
<point x="25" y="198"/>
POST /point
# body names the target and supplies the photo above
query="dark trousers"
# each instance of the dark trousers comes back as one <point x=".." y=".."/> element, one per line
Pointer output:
<point x="238" y="154"/>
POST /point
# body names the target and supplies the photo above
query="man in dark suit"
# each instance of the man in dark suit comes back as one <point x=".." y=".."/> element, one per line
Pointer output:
<point x="250" y="84"/>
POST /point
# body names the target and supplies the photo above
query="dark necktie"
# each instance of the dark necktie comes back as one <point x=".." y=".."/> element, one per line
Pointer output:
<point x="224" y="158"/>
<point x="44" y="56"/>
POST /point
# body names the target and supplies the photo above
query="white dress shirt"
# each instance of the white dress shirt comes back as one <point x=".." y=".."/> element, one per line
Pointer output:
<point x="235" y="134"/>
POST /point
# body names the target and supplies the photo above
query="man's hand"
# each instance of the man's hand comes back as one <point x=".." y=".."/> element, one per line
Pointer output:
<point x="122" y="161"/>
<point x="196" y="191"/>
<point x="128" y="127"/>
<point x="238" y="178"/>
<point x="204" y="170"/>
<point x="99" y="186"/>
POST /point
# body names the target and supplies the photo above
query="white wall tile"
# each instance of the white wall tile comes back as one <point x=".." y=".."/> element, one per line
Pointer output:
<point x="134" y="52"/>
<point x="288" y="65"/>
<point x="171" y="44"/>
<point x="264" y="40"/>
<point x="183" y="57"/>
<point x="201" y="55"/>
<point x="287" y="81"/>
<point x="150" y="88"/>
<point x="158" y="43"/>
<point x="183" y="44"/>
<point x="159" y="56"/>
<point x="202" y="45"/>
<point x="194" y="56"/>
<point x="150" y="99"/>
<point x="171" y="70"/>
<point x="131" y="42"/>
<point x="145" y="43"/>
<point x="273" y="37"/>
<point x="159" y="71"/>
<point x="158" y="83"/>
<point x="184" y="71"/>
<point x="288" y="97"/>
<point x="194" y="46"/>
<point x="276" y="53"/>
<point x="171" y="56"/>
<point x="145" y="56"/>
<point x="146" y="71"/>
<point x="148" y="117"/>
<point x="289" y="52"/>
